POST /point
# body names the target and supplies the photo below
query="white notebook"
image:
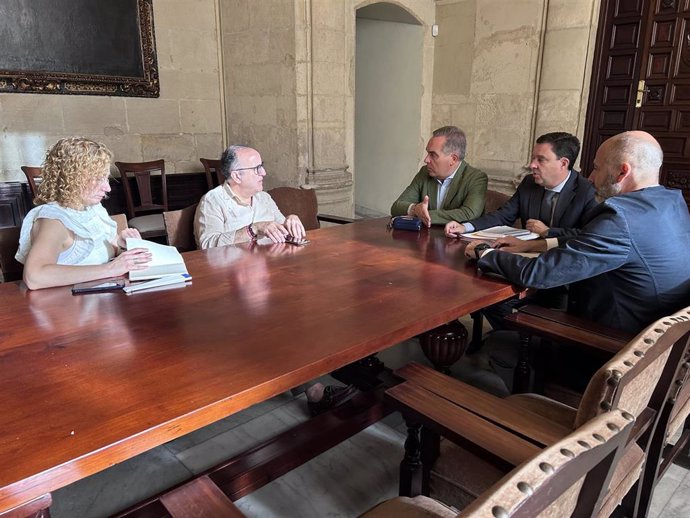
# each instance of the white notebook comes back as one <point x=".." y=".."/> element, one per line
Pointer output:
<point x="166" y="260"/>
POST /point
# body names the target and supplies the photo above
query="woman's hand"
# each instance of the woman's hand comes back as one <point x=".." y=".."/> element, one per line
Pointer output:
<point x="129" y="260"/>
<point x="122" y="238"/>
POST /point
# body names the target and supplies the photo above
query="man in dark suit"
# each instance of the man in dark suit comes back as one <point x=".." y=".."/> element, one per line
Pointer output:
<point x="551" y="201"/>
<point x="629" y="265"/>
<point x="446" y="188"/>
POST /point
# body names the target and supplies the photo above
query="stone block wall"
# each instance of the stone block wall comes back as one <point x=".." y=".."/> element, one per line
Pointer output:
<point x="507" y="72"/>
<point x="258" y="46"/>
<point x="182" y="125"/>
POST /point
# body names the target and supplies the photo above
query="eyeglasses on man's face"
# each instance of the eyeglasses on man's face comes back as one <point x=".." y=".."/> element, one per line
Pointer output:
<point x="257" y="169"/>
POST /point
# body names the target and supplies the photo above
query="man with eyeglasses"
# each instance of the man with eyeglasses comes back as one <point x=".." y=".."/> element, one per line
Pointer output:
<point x="238" y="210"/>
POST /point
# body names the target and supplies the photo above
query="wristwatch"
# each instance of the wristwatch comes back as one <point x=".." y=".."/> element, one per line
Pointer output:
<point x="479" y="249"/>
<point x="251" y="232"/>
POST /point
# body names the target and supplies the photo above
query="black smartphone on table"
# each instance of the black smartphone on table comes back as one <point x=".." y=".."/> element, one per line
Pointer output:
<point x="99" y="286"/>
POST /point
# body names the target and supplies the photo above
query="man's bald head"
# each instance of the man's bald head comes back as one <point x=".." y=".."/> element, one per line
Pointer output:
<point x="640" y="150"/>
<point x="626" y="162"/>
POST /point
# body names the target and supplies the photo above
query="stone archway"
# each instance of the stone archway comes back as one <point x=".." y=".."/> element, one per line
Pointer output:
<point x="326" y="95"/>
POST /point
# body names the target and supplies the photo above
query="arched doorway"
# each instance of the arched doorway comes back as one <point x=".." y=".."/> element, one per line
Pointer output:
<point x="388" y="103"/>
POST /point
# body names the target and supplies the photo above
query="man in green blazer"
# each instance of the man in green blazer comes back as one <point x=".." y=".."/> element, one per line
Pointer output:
<point x="447" y="188"/>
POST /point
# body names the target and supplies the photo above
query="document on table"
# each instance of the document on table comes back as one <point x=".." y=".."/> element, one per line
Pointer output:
<point x="501" y="231"/>
<point x="166" y="260"/>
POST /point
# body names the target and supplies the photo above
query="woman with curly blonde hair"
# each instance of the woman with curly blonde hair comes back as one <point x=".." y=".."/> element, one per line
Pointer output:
<point x="69" y="237"/>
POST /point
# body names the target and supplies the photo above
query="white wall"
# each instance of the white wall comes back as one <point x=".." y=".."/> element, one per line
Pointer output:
<point x="388" y="92"/>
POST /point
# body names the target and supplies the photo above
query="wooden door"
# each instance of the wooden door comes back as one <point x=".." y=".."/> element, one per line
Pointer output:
<point x="641" y="80"/>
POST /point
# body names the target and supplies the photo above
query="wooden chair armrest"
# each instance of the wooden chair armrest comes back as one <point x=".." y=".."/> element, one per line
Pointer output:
<point x="459" y="425"/>
<point x="560" y="332"/>
<point x="568" y="319"/>
<point x="500" y="412"/>
<point x="330" y="218"/>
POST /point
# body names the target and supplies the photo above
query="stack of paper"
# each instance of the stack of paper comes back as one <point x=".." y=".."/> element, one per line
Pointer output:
<point x="166" y="260"/>
<point x="502" y="231"/>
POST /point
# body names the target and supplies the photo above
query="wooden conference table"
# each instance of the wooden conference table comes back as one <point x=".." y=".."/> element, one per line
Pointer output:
<point x="89" y="381"/>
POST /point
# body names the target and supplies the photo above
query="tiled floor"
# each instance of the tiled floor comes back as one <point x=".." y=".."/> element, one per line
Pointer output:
<point x="341" y="483"/>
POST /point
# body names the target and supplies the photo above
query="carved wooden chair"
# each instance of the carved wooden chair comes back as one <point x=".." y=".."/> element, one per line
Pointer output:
<point x="10" y="268"/>
<point x="144" y="210"/>
<point x="569" y="478"/>
<point x="179" y="225"/>
<point x="33" y="177"/>
<point x="303" y="203"/>
<point x="638" y="378"/>
<point x="214" y="177"/>
<point x="561" y="327"/>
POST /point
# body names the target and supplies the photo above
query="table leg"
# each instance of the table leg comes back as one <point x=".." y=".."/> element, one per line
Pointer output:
<point x="431" y="448"/>
<point x="411" y="465"/>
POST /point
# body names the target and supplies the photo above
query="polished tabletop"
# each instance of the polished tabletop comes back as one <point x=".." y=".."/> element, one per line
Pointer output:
<point x="89" y="381"/>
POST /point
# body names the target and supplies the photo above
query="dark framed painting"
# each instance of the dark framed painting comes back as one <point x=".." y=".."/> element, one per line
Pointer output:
<point x="82" y="47"/>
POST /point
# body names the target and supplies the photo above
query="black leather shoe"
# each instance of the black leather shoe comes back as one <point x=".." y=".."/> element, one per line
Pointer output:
<point x="333" y="396"/>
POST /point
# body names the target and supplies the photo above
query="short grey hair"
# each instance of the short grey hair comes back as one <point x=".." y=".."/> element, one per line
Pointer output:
<point x="228" y="161"/>
<point x="456" y="140"/>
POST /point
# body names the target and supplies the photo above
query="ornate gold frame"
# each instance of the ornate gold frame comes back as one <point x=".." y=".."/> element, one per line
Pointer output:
<point x="89" y="84"/>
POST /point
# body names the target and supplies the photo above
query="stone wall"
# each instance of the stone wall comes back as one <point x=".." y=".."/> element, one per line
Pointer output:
<point x="182" y="125"/>
<point x="259" y="49"/>
<point x="507" y="74"/>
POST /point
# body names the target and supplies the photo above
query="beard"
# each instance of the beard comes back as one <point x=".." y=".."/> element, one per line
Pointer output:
<point x="608" y="190"/>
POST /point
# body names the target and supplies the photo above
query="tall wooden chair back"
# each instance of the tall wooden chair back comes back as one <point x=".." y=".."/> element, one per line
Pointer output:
<point x="179" y="225"/>
<point x="10" y="268"/>
<point x="143" y="208"/>
<point x="214" y="177"/>
<point x="673" y="418"/>
<point x="33" y="176"/>
<point x="302" y="202"/>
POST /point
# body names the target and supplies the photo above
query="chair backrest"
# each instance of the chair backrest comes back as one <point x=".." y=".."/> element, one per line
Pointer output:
<point x="10" y="268"/>
<point x="142" y="174"/>
<point x="494" y="201"/>
<point x="302" y="202"/>
<point x="214" y="177"/>
<point x="33" y="176"/>
<point x="642" y="373"/>
<point x="569" y="478"/>
<point x="179" y="224"/>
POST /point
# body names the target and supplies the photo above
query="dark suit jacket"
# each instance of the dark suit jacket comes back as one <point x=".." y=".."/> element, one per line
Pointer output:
<point x="464" y="199"/>
<point x="575" y="200"/>
<point x="627" y="267"/>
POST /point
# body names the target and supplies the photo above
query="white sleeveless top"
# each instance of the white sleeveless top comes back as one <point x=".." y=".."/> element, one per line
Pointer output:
<point x="92" y="227"/>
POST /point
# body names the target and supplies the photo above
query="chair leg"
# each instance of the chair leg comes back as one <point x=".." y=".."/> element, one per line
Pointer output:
<point x="477" y="332"/>
<point x="411" y="465"/>
<point x="431" y="446"/>
<point x="521" y="379"/>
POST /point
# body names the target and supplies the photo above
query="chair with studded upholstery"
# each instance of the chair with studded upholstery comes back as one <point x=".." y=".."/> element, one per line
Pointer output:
<point x="638" y="378"/>
<point x="566" y="479"/>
